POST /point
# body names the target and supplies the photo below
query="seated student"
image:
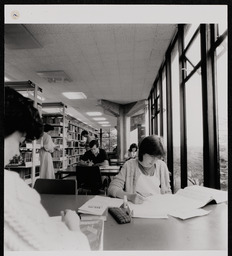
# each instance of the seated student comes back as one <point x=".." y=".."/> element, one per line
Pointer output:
<point x="88" y="138"/>
<point x="132" y="151"/>
<point x="27" y="225"/>
<point x="145" y="175"/>
<point x="94" y="156"/>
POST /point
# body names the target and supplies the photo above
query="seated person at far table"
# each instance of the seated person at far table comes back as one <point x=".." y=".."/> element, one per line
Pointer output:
<point x="142" y="176"/>
<point x="132" y="152"/>
<point x="95" y="156"/>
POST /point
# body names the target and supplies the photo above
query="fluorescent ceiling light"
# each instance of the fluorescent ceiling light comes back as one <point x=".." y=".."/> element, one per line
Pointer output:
<point x="99" y="118"/>
<point x="74" y="95"/>
<point x="103" y="122"/>
<point x="105" y="125"/>
<point x="94" y="113"/>
<point x="52" y="110"/>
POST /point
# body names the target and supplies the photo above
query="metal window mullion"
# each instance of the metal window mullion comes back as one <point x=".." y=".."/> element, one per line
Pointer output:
<point x="210" y="150"/>
<point x="161" y="105"/>
<point x="183" y="129"/>
<point x="169" y="117"/>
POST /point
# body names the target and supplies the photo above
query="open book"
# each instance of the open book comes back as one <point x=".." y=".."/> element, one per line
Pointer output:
<point x="201" y="196"/>
<point x="186" y="202"/>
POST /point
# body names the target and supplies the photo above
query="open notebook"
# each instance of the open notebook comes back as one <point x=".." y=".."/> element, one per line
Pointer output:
<point x="184" y="204"/>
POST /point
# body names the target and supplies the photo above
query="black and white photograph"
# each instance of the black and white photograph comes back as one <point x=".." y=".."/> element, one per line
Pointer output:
<point x="116" y="129"/>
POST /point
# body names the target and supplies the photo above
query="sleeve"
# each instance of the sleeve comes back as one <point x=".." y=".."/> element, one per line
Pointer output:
<point x="118" y="183"/>
<point x="48" y="143"/>
<point x="85" y="157"/>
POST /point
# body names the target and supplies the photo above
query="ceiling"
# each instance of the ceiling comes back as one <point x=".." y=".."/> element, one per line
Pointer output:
<point x="113" y="62"/>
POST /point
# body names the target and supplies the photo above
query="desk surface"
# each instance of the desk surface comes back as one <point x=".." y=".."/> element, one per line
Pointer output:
<point x="201" y="233"/>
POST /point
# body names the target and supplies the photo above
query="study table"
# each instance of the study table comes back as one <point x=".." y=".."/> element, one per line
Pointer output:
<point x="105" y="171"/>
<point x="200" y="233"/>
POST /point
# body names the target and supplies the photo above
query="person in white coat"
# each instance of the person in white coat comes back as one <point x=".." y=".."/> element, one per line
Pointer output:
<point x="48" y="147"/>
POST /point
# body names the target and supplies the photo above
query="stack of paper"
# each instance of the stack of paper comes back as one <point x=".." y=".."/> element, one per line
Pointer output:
<point x="98" y="204"/>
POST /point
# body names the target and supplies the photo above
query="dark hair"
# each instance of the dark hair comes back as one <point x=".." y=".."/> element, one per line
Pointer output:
<point x="84" y="133"/>
<point x="20" y="115"/>
<point x="93" y="142"/>
<point x="151" y="145"/>
<point x="133" y="145"/>
<point x="48" y="127"/>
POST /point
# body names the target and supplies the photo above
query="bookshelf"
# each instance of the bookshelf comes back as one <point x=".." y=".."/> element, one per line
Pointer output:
<point x="27" y="165"/>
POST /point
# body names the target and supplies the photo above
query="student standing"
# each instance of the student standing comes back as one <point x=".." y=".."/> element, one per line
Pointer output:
<point x="88" y="138"/>
<point x="27" y="225"/>
<point x="48" y="147"/>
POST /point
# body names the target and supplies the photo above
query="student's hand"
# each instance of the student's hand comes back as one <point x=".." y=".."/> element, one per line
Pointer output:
<point x="90" y="163"/>
<point x="71" y="219"/>
<point x="135" y="198"/>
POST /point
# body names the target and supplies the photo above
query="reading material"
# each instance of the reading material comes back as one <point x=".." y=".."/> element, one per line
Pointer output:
<point x="183" y="204"/>
<point x="98" y="204"/>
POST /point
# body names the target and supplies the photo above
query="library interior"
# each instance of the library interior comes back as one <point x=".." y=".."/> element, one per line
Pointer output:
<point x="120" y="135"/>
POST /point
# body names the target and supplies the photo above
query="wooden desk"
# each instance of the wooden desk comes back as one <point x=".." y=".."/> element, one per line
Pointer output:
<point x="201" y="233"/>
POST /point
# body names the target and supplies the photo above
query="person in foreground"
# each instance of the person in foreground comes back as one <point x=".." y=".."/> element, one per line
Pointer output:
<point x="27" y="225"/>
<point x="143" y="176"/>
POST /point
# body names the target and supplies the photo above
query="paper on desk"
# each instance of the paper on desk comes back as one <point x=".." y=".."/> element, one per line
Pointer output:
<point x="186" y="214"/>
<point x="98" y="204"/>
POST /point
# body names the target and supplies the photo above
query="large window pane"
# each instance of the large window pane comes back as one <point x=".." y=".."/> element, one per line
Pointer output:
<point x="176" y="117"/>
<point x="194" y="130"/>
<point x="164" y="112"/>
<point x="222" y="112"/>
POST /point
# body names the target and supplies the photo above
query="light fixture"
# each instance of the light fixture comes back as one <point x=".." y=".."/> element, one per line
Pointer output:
<point x="105" y="125"/>
<point x="99" y="118"/>
<point x="74" y="95"/>
<point x="94" y="113"/>
<point x="103" y="122"/>
<point x="51" y="110"/>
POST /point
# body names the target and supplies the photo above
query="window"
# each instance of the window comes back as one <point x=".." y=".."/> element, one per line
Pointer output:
<point x="194" y="129"/>
<point x="176" y="116"/>
<point x="222" y="112"/>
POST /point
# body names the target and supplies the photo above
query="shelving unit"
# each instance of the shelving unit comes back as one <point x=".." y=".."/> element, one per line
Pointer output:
<point x="28" y="164"/>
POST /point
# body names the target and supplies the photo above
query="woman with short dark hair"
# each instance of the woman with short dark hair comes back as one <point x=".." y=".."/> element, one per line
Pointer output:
<point x="143" y="176"/>
<point x="132" y="151"/>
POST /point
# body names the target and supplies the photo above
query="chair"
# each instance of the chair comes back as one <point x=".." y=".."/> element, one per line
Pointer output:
<point x="54" y="186"/>
<point x="89" y="180"/>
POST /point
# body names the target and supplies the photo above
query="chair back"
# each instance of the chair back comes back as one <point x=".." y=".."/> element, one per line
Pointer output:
<point x="55" y="186"/>
<point x="89" y="177"/>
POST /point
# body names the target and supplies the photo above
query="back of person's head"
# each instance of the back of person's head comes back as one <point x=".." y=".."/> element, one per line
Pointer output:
<point x="133" y="145"/>
<point x="20" y="115"/>
<point x="84" y="133"/>
<point x="151" y="145"/>
<point x="93" y="143"/>
<point x="48" y="127"/>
